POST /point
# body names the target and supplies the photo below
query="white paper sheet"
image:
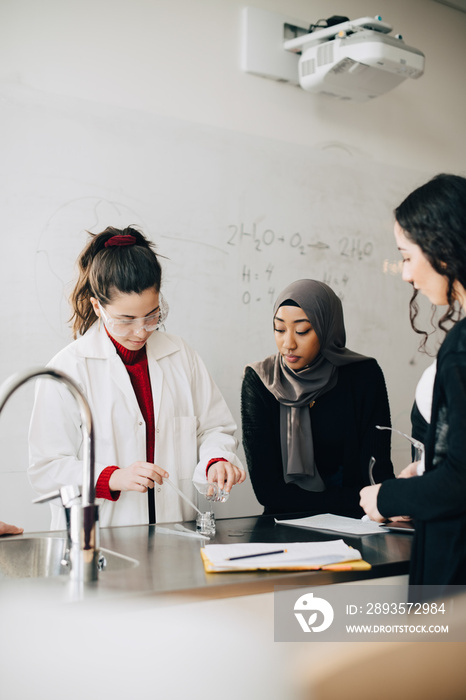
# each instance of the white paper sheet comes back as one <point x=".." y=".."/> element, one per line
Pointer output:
<point x="335" y="523"/>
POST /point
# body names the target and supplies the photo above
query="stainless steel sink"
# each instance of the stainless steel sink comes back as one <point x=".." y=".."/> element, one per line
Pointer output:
<point x="39" y="557"/>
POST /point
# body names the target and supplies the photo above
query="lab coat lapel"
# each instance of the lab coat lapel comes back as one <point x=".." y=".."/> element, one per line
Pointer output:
<point x="96" y="344"/>
<point x="156" y="382"/>
<point x="120" y="376"/>
<point x="158" y="346"/>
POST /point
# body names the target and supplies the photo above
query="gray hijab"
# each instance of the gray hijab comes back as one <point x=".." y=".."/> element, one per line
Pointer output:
<point x="296" y="390"/>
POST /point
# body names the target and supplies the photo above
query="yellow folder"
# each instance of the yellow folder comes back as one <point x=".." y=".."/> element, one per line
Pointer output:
<point x="357" y="565"/>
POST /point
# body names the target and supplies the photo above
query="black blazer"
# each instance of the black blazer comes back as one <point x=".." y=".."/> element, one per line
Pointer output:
<point x="437" y="499"/>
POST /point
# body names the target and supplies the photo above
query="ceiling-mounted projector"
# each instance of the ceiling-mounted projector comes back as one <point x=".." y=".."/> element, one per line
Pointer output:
<point x="355" y="60"/>
<point x="344" y="59"/>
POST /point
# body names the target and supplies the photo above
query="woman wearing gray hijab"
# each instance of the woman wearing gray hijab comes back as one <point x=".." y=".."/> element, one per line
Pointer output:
<point x="309" y="412"/>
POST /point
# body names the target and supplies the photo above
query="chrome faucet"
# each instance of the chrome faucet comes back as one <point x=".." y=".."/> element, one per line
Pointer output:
<point x="83" y="517"/>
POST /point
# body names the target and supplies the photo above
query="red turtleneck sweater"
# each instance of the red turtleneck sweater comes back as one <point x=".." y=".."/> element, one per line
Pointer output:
<point x="135" y="362"/>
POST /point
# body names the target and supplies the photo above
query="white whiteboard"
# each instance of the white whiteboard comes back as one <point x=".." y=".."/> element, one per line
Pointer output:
<point x="237" y="216"/>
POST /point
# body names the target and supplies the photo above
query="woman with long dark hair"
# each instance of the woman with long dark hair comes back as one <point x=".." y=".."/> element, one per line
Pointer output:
<point x="430" y="232"/>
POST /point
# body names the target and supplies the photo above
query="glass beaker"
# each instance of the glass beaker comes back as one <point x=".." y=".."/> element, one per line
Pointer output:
<point x="212" y="492"/>
<point x="205" y="524"/>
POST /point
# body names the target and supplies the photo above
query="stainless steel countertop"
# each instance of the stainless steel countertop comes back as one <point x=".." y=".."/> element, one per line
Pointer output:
<point x="171" y="565"/>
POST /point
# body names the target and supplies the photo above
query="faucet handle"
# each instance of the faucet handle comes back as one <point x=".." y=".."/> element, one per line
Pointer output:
<point x="67" y="494"/>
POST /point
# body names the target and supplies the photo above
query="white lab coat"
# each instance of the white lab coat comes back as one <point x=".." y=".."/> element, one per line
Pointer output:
<point x="192" y="425"/>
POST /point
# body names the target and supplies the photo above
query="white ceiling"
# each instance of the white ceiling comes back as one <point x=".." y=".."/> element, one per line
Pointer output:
<point x="456" y="4"/>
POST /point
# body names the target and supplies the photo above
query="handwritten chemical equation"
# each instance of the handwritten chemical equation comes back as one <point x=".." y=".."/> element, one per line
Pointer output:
<point x="351" y="247"/>
<point x="258" y="286"/>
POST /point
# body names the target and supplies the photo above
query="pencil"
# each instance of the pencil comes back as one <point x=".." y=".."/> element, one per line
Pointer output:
<point x="260" y="554"/>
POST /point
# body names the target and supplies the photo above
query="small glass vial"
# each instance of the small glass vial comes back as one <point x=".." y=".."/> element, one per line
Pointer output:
<point x="205" y="523"/>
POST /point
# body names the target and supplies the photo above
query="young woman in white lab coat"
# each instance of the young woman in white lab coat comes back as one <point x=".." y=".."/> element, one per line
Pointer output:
<point x="156" y="410"/>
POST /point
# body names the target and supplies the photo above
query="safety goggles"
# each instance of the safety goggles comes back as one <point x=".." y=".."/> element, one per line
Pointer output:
<point x="124" y="327"/>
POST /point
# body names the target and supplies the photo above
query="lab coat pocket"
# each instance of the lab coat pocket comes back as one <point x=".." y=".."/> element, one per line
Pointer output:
<point x="185" y="445"/>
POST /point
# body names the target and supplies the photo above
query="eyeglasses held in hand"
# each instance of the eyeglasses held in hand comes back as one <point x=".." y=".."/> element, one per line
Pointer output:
<point x="371" y="469"/>
<point x="418" y="446"/>
<point x="415" y="443"/>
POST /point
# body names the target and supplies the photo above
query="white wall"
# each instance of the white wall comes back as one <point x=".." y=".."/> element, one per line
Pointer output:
<point x="180" y="59"/>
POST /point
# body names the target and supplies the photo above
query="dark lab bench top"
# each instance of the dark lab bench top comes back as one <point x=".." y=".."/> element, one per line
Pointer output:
<point x="172" y="564"/>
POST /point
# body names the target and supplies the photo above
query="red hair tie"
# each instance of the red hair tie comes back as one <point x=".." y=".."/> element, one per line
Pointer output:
<point x="120" y="240"/>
